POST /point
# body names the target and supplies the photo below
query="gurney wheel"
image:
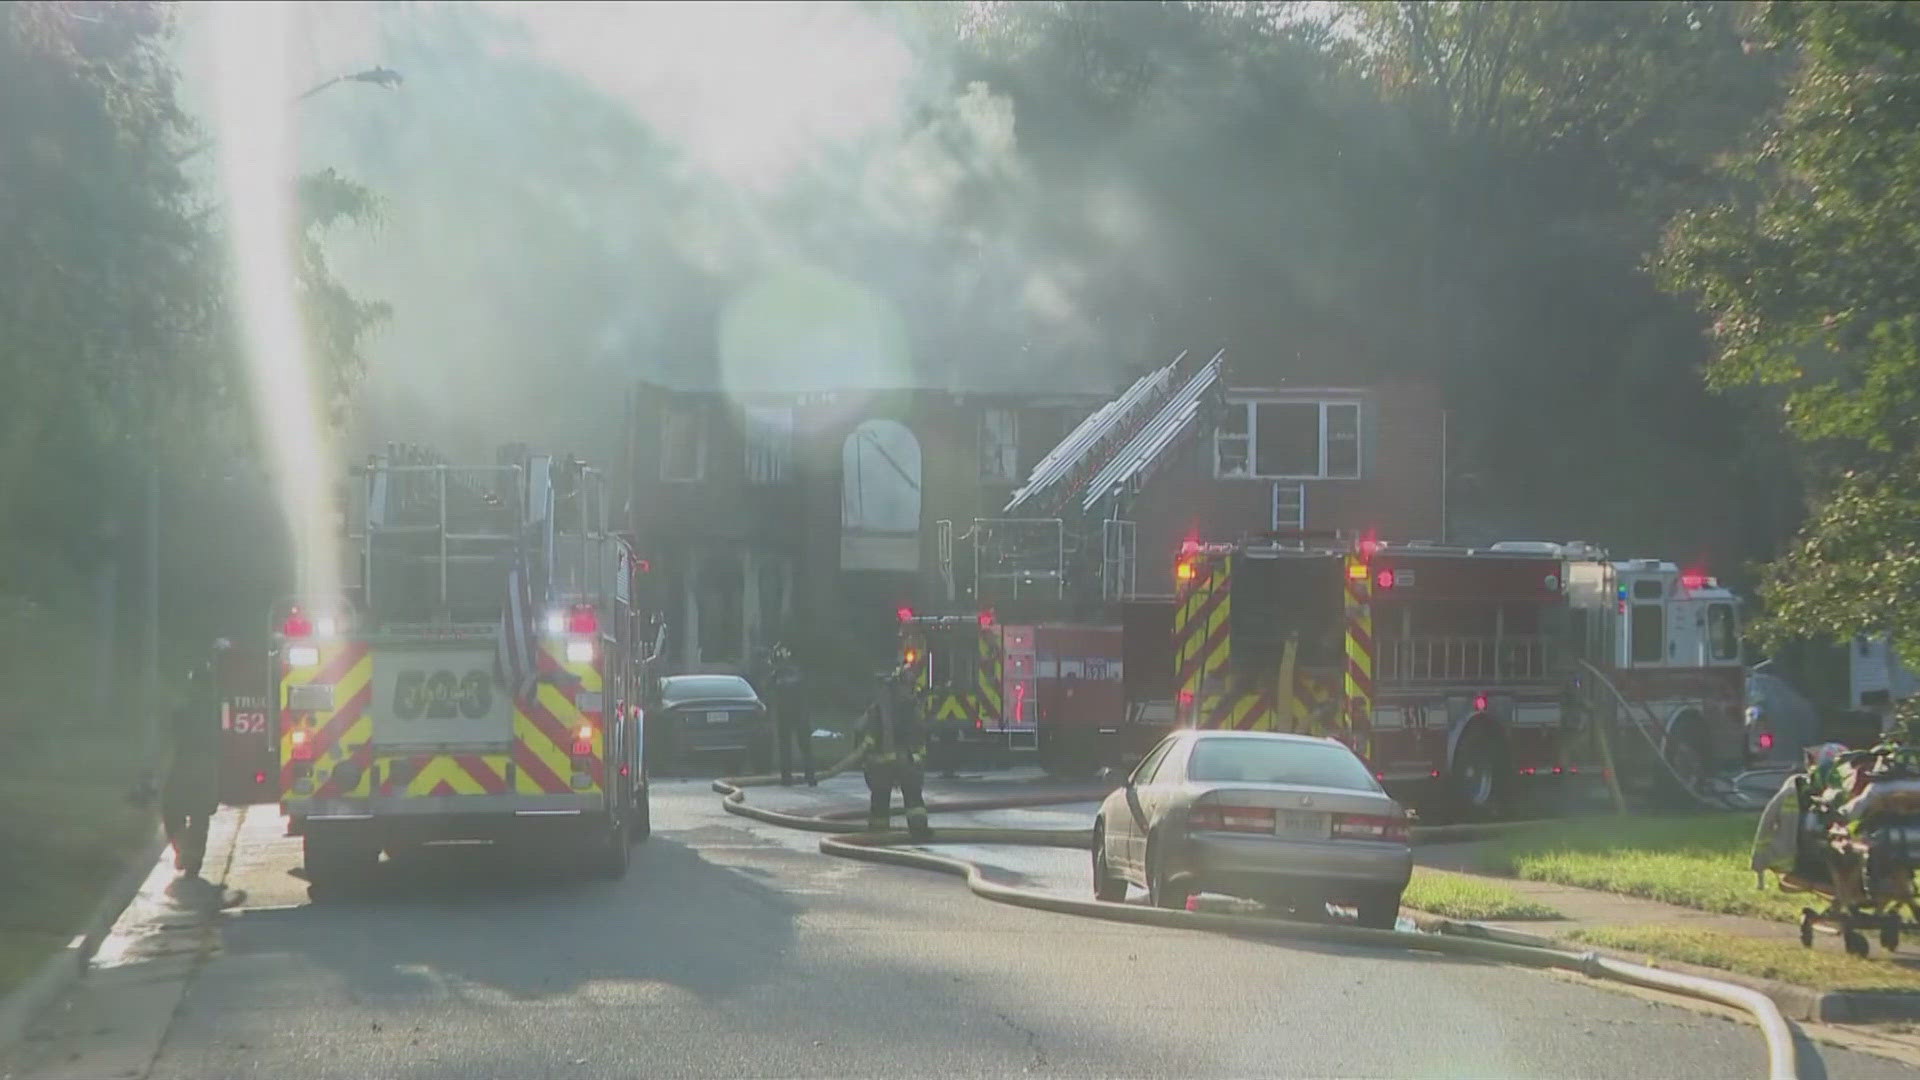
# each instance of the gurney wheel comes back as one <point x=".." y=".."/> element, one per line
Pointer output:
<point x="1856" y="943"/>
<point x="1806" y="930"/>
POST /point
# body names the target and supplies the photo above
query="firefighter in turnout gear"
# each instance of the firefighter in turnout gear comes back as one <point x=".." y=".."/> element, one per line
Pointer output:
<point x="792" y="720"/>
<point x="189" y="796"/>
<point x="894" y="750"/>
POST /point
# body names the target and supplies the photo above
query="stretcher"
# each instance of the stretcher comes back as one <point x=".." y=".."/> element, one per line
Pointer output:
<point x="1856" y="846"/>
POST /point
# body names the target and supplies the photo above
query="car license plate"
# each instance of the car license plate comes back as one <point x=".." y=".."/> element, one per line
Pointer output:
<point x="1300" y="825"/>
<point x="719" y="717"/>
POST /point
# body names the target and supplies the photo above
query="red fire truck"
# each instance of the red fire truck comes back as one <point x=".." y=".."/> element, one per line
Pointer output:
<point x="248" y="763"/>
<point x="1044" y="687"/>
<point x="1461" y="674"/>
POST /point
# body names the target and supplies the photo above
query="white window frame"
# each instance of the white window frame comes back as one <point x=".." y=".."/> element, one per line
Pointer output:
<point x="1251" y="438"/>
<point x="1000" y="464"/>
<point x="698" y="418"/>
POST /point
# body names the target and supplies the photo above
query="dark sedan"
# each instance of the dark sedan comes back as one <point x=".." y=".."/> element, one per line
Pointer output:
<point x="709" y="717"/>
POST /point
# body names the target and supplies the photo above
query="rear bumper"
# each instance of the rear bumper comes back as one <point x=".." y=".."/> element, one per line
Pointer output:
<point x="422" y="811"/>
<point x="1258" y="865"/>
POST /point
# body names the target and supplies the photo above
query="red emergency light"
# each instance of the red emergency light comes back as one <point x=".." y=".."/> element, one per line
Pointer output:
<point x="1384" y="579"/>
<point x="583" y="741"/>
<point x="986" y="620"/>
<point x="583" y="619"/>
<point x="1692" y="581"/>
<point x="645" y="566"/>
<point x="1480" y="703"/>
<point x="904" y="614"/>
<point x="297" y="625"/>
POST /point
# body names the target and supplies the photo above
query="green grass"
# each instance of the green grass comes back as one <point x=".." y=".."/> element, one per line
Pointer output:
<point x="1823" y="967"/>
<point x="1457" y="896"/>
<point x="66" y="826"/>
<point x="1696" y="860"/>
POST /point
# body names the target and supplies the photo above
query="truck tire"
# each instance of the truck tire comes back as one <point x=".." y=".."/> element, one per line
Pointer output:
<point x="1069" y="756"/>
<point x="1686" y="752"/>
<point x="334" y="862"/>
<point x="642" y="824"/>
<point x="1477" y="775"/>
<point x="608" y="854"/>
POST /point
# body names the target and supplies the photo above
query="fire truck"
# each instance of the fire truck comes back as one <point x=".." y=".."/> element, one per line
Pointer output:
<point x="1040" y="687"/>
<point x="1027" y="652"/>
<point x="247" y="759"/>
<point x="477" y="676"/>
<point x="1463" y="675"/>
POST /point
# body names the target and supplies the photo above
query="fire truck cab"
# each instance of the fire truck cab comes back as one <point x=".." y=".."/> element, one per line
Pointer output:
<point x="1668" y="646"/>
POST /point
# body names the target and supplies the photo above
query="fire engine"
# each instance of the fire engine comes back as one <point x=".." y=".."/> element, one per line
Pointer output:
<point x="246" y="747"/>
<point x="423" y="702"/>
<point x="1037" y="664"/>
<point x="1459" y="673"/>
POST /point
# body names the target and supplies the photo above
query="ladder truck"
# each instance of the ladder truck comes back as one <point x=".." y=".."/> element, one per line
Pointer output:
<point x="1027" y="650"/>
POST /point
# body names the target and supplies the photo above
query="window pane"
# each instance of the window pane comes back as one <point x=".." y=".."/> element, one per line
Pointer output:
<point x="1723" y="640"/>
<point x="769" y="444"/>
<point x="1286" y="439"/>
<point x="1343" y="440"/>
<point x="1233" y="418"/>
<point x="680" y="450"/>
<point x="1272" y="761"/>
<point x="1649" y="630"/>
<point x="1232" y="455"/>
<point x="999" y="445"/>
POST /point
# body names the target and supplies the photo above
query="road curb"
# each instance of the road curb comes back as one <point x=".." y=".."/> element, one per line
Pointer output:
<point x="1796" y="1002"/>
<point x="57" y="974"/>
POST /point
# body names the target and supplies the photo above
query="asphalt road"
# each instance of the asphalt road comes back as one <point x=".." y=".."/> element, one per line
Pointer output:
<point x="736" y="950"/>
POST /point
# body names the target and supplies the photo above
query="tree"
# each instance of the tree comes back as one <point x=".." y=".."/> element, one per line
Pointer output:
<point x="1812" y="279"/>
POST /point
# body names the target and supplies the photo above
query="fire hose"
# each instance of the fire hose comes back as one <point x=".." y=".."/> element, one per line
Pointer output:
<point x="850" y="841"/>
<point x="1644" y="723"/>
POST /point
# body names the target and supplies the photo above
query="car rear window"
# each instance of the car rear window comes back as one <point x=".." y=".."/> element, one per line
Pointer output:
<point x="706" y="688"/>
<point x="1274" y="761"/>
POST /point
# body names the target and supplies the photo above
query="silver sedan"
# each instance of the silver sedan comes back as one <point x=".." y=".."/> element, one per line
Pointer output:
<point x="1290" y="820"/>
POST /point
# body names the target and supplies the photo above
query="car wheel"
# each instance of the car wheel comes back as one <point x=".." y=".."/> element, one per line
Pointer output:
<point x="1105" y="885"/>
<point x="1379" y="910"/>
<point x="1161" y="892"/>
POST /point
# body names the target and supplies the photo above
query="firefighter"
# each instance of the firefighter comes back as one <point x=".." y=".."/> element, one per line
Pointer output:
<point x="792" y="719"/>
<point x="190" y="795"/>
<point x="894" y="751"/>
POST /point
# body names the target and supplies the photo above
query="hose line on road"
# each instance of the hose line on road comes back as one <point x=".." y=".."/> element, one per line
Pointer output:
<point x="850" y="841"/>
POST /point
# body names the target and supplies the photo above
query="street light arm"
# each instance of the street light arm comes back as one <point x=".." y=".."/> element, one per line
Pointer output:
<point x="384" y="77"/>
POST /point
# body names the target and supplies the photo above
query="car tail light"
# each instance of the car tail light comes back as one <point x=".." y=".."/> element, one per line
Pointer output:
<point x="1369" y="827"/>
<point x="302" y="741"/>
<point x="1243" y="819"/>
<point x="583" y="741"/>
